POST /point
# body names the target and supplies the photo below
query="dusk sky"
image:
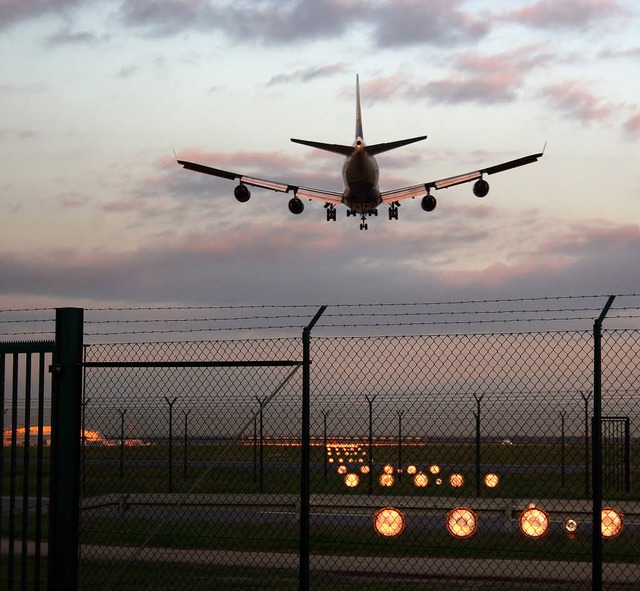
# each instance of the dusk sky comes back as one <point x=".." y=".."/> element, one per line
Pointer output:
<point x="95" y="95"/>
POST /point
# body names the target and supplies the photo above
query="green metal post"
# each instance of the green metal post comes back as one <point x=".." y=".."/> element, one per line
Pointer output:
<point x="64" y="493"/>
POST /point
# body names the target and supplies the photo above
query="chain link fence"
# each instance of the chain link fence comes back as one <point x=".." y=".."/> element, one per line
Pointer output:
<point x="457" y="459"/>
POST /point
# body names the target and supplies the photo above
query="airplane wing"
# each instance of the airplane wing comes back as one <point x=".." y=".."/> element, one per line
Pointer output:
<point x="424" y="188"/>
<point x="301" y="192"/>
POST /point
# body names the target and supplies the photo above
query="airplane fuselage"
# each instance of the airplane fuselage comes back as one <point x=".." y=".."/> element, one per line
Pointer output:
<point x="360" y="175"/>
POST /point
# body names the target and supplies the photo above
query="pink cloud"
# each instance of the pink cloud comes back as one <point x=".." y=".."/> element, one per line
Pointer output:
<point x="632" y="126"/>
<point x="577" y="102"/>
<point x="546" y="14"/>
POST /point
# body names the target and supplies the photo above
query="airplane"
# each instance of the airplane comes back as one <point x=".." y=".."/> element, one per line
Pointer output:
<point x="361" y="195"/>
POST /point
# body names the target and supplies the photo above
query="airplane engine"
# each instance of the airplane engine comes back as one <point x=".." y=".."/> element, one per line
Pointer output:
<point x="241" y="193"/>
<point x="480" y="188"/>
<point x="429" y="203"/>
<point x="296" y="206"/>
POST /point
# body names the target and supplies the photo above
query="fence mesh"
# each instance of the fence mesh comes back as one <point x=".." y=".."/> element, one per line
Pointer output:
<point x="457" y="459"/>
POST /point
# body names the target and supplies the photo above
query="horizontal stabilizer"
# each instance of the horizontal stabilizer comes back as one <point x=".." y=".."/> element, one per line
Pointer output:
<point x="335" y="148"/>
<point x="379" y="148"/>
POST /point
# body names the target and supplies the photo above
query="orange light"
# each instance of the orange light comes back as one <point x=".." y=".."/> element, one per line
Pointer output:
<point x="462" y="522"/>
<point x="612" y="523"/>
<point x="491" y="480"/>
<point x="533" y="522"/>
<point x="386" y="480"/>
<point x="411" y="469"/>
<point x="389" y="522"/>
<point x="420" y="479"/>
<point x="434" y="469"/>
<point x="342" y="469"/>
<point x="388" y="469"/>
<point x="456" y="480"/>
<point x="351" y="480"/>
<point x="570" y="525"/>
<point x="364" y="469"/>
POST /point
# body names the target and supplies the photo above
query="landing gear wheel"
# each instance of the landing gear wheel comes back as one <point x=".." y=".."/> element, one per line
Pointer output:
<point x="363" y="223"/>
<point x="393" y="211"/>
<point x="331" y="213"/>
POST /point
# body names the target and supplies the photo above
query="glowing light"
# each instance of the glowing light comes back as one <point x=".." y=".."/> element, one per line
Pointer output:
<point x="364" y="469"/>
<point x="388" y="469"/>
<point x="351" y="480"/>
<point x="342" y="469"/>
<point x="420" y="479"/>
<point x="570" y="525"/>
<point x="386" y="480"/>
<point x="411" y="469"/>
<point x="612" y="522"/>
<point x="438" y="481"/>
<point x="533" y="522"/>
<point x="434" y="469"/>
<point x="456" y="480"/>
<point x="491" y="480"/>
<point x="462" y="522"/>
<point x="389" y="522"/>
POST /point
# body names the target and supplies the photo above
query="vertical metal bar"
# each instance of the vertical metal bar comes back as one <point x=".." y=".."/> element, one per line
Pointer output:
<point x="596" y="444"/>
<point x="478" y="444"/>
<point x="261" y="447"/>
<point x="370" y="475"/>
<point x="587" y="476"/>
<point x="25" y="471"/>
<point x="170" y="403"/>
<point x="2" y="379"/>
<point x="255" y="449"/>
<point x="186" y="444"/>
<point x="122" y="412"/>
<point x="39" y="475"/>
<point x="627" y="455"/>
<point x="399" y="445"/>
<point x="305" y="454"/>
<point x="64" y="492"/>
<point x="13" y="468"/>
<point x="562" y="446"/>
<point x="324" y="443"/>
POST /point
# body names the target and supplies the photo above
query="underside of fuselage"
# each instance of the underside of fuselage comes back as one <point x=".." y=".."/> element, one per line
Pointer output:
<point x="360" y="176"/>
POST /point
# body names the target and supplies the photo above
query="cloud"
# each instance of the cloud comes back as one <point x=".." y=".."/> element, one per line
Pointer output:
<point x="307" y="74"/>
<point x="22" y="134"/>
<point x="577" y="102"/>
<point x="632" y="126"/>
<point x="572" y="15"/>
<point x="67" y="37"/>
<point x="16" y="11"/>
<point x="399" y="23"/>
<point x="487" y="78"/>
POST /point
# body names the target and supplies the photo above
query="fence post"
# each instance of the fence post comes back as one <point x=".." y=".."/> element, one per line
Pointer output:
<point x="64" y="493"/>
<point x="596" y="453"/>
<point x="305" y="475"/>
<point x="170" y="402"/>
<point x="370" y="401"/>
<point x="478" y="443"/>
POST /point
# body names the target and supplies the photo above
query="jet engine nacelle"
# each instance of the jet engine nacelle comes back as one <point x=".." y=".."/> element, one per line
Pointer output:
<point x="429" y="203"/>
<point x="296" y="206"/>
<point x="241" y="193"/>
<point x="480" y="188"/>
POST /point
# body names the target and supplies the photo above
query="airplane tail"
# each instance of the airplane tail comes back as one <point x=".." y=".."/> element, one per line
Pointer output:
<point x="348" y="150"/>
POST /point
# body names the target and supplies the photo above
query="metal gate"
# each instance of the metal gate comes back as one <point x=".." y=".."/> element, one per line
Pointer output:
<point x="40" y="387"/>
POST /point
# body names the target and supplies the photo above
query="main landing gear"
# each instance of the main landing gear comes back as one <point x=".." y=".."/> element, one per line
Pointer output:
<point x="331" y="212"/>
<point x="393" y="211"/>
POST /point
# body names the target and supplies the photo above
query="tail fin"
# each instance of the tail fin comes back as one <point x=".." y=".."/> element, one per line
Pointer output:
<point x="359" y="133"/>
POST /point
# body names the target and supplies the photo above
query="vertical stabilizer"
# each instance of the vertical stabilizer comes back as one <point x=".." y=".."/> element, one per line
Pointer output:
<point x="359" y="132"/>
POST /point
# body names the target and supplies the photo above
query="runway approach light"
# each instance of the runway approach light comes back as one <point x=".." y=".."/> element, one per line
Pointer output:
<point x="612" y="523"/>
<point x="533" y="522"/>
<point x="462" y="522"/>
<point x="434" y="469"/>
<point x="388" y="469"/>
<point x="342" y="469"/>
<point x="389" y="522"/>
<point x="364" y="469"/>
<point x="491" y="480"/>
<point x="351" y="480"/>
<point x="386" y="479"/>
<point x="420" y="479"/>
<point x="411" y="469"/>
<point x="456" y="480"/>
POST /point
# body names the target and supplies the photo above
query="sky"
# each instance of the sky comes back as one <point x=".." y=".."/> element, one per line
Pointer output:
<point x="96" y="95"/>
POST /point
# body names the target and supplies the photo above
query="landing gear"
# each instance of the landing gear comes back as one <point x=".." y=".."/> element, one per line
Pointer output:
<point x="331" y="212"/>
<point x="363" y="223"/>
<point x="393" y="211"/>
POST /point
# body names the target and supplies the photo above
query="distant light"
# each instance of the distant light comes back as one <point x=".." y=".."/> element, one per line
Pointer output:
<point x="612" y="522"/>
<point x="434" y="469"/>
<point x="534" y="522"/>
<point x="438" y="481"/>
<point x="342" y="469"/>
<point x="388" y="469"/>
<point x="351" y="480"/>
<point x="411" y="469"/>
<point x="570" y="525"/>
<point x="491" y="480"/>
<point x="364" y="469"/>
<point x="420" y="479"/>
<point x="386" y="480"/>
<point x="462" y="522"/>
<point x="389" y="522"/>
<point x="456" y="480"/>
